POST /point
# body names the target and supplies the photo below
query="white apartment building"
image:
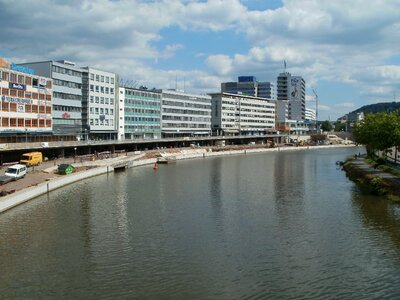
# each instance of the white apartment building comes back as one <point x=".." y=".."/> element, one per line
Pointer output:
<point x="99" y="115"/>
<point x="234" y="114"/>
<point x="184" y="114"/>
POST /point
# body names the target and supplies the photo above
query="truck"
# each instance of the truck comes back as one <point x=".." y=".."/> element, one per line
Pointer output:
<point x="31" y="159"/>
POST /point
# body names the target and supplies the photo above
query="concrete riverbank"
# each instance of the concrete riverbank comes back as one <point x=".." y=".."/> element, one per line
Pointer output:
<point x="374" y="180"/>
<point x="105" y="166"/>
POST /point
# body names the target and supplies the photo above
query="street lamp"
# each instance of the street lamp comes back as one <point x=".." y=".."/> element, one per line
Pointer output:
<point x="75" y="155"/>
<point x="26" y="135"/>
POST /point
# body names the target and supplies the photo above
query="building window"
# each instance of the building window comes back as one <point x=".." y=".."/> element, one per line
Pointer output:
<point x="97" y="99"/>
<point x="91" y="121"/>
<point x="112" y="101"/>
<point x="102" y="78"/>
<point x="91" y="76"/>
<point x="92" y="88"/>
<point x="101" y="100"/>
<point x="111" y="111"/>
<point x="112" y="91"/>
<point x="112" y="80"/>
<point x="106" y="100"/>
<point x="102" y="89"/>
<point x="91" y="99"/>
<point x="97" y="77"/>
<point x="97" y="110"/>
<point x="91" y="110"/>
<point x="97" y="88"/>
<point x="107" y="79"/>
<point x="107" y="91"/>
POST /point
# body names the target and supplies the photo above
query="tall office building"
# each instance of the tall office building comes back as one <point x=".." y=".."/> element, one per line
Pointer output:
<point x="99" y="114"/>
<point x="248" y="85"/>
<point x="292" y="89"/>
<point x="67" y="95"/>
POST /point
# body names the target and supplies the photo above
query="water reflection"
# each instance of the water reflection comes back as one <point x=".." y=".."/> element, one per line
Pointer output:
<point x="277" y="225"/>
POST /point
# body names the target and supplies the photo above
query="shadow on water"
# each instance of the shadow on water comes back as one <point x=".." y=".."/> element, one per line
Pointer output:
<point x="379" y="213"/>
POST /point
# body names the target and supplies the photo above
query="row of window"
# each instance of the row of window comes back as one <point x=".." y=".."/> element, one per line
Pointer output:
<point x="142" y="119"/>
<point x="101" y="89"/>
<point x="142" y="111"/>
<point x="101" y="111"/>
<point x="186" y="125"/>
<point x="105" y="122"/>
<point x="133" y="102"/>
<point x="142" y="94"/>
<point x="187" y="104"/>
<point x="101" y="100"/>
<point x="142" y="127"/>
<point x="22" y="122"/>
<point x="186" y="112"/>
<point x="205" y="99"/>
<point x="67" y="108"/>
<point x="24" y="79"/>
<point x="25" y="108"/>
<point x="25" y="94"/>
<point x="186" y="119"/>
<point x="69" y="84"/>
<point x="101" y="78"/>
<point x="70" y="72"/>
<point x="67" y="96"/>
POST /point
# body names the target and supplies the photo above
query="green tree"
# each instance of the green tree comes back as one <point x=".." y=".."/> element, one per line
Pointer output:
<point x="340" y="126"/>
<point x="379" y="131"/>
<point x="326" y="126"/>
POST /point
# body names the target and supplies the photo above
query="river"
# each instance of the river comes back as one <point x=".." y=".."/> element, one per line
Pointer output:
<point x="282" y="225"/>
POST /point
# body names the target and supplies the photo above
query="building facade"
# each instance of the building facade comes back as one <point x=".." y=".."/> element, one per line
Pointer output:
<point x="234" y="114"/>
<point x="248" y="85"/>
<point x="293" y="89"/>
<point x="310" y="116"/>
<point x="142" y="113"/>
<point x="26" y="102"/>
<point x="67" y="95"/>
<point x="99" y="114"/>
<point x="184" y="114"/>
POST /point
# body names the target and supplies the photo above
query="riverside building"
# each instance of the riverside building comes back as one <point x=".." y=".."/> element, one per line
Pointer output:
<point x="99" y="114"/>
<point x="242" y="115"/>
<point x="141" y="113"/>
<point x="248" y="85"/>
<point x="67" y="95"/>
<point x="293" y="89"/>
<point x="26" y="100"/>
<point x="184" y="114"/>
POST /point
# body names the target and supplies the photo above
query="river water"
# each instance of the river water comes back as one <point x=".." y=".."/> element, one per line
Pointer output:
<point x="283" y="225"/>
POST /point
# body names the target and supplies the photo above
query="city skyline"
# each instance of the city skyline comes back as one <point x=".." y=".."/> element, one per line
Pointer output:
<point x="346" y="51"/>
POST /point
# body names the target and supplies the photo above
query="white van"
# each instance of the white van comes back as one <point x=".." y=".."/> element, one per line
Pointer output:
<point x="16" y="171"/>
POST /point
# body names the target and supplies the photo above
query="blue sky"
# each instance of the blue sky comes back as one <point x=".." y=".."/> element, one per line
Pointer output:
<point x="349" y="52"/>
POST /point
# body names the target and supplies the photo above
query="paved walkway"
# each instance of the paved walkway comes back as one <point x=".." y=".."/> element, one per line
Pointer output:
<point x="363" y="165"/>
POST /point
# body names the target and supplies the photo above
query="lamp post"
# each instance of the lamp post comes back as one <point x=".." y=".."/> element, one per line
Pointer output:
<point x="26" y="135"/>
<point x="75" y="154"/>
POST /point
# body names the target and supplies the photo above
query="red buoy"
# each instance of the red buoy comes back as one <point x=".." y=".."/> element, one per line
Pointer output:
<point x="155" y="167"/>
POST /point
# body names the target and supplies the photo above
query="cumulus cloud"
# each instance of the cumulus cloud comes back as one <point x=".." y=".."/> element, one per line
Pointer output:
<point x="342" y="41"/>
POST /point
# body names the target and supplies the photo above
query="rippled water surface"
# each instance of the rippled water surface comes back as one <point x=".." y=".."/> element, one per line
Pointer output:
<point x="285" y="225"/>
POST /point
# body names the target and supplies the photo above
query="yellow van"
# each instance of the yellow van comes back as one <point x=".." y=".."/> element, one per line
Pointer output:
<point x="31" y="158"/>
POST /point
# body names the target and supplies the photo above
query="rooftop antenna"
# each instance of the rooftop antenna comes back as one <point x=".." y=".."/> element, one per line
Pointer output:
<point x="316" y="110"/>
<point x="284" y="66"/>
